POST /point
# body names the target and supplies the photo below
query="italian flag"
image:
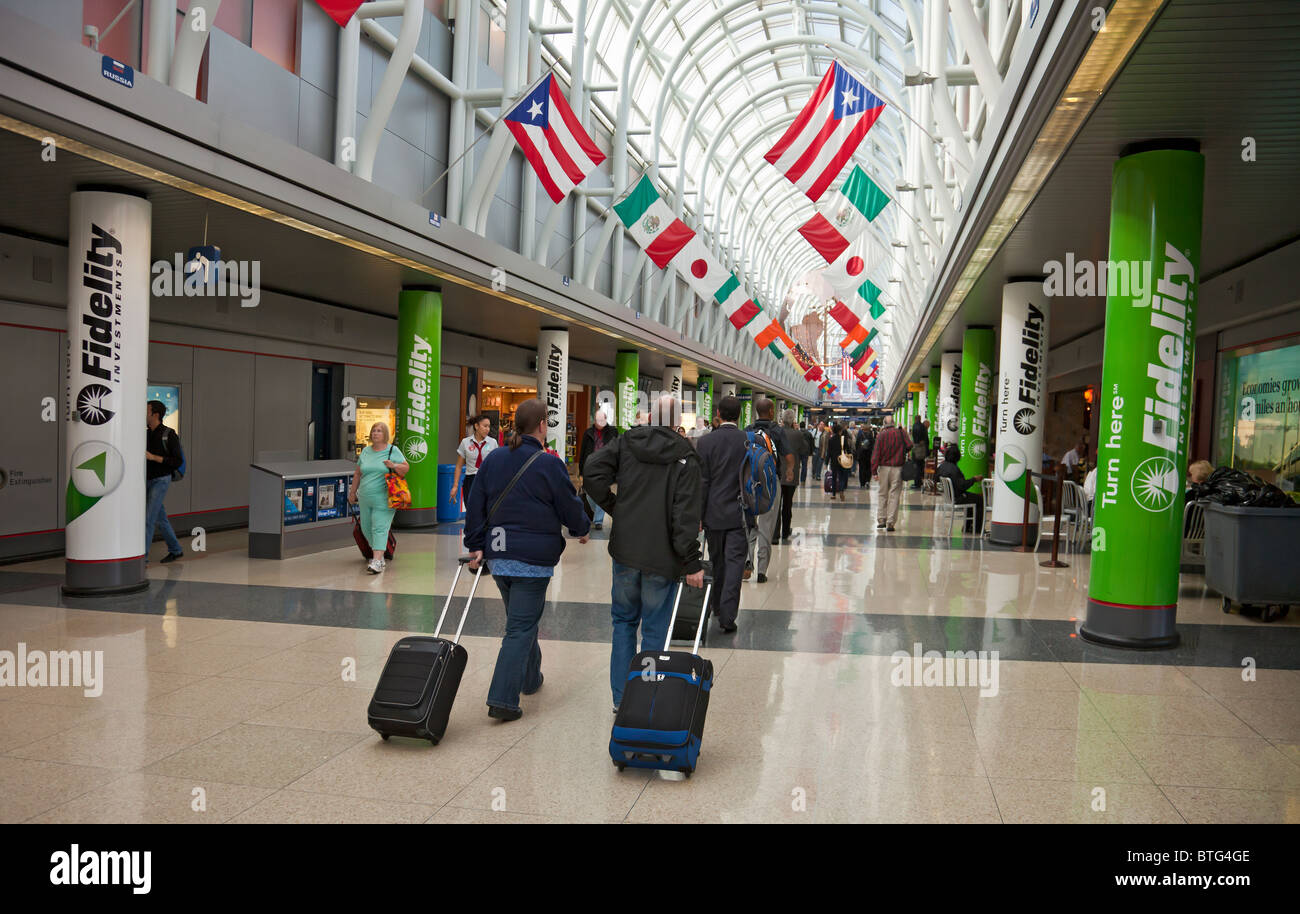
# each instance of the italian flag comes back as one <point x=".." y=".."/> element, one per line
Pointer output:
<point x="844" y="215"/>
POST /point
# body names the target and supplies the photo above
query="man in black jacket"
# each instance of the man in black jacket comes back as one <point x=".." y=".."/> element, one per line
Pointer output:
<point x="763" y="535"/>
<point x="597" y="435"/>
<point x="162" y="452"/>
<point x="656" y="540"/>
<point x="721" y="454"/>
<point x="866" y="439"/>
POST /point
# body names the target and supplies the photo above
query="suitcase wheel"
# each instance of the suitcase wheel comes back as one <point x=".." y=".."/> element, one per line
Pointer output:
<point x="620" y="766"/>
<point x="384" y="736"/>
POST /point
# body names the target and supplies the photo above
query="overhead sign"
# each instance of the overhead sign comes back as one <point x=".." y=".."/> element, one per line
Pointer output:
<point x="118" y="72"/>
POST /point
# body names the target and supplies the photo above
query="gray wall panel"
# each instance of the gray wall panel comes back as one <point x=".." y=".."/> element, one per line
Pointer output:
<point x="63" y="17"/>
<point x="250" y="88"/>
<point x="315" y="121"/>
<point x="222" y="429"/>
<point x="450" y="422"/>
<point x="318" y="48"/>
<point x="281" y="404"/>
<point x="30" y="467"/>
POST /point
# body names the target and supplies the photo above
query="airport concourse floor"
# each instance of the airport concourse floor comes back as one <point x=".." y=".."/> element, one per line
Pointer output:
<point x="228" y="674"/>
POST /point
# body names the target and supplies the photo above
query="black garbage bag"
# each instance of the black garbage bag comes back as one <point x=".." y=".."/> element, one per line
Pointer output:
<point x="1227" y="486"/>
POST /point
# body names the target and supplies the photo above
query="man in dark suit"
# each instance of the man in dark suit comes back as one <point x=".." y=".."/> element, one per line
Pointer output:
<point x="721" y="453"/>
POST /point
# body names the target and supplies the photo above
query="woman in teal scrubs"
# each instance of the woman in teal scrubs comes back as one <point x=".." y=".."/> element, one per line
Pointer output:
<point x="370" y="489"/>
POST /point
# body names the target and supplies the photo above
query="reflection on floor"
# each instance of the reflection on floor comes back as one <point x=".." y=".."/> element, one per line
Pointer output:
<point x="225" y="696"/>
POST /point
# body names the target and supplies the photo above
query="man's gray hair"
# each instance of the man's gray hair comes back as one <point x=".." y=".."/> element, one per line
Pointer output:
<point x="788" y="418"/>
<point x="889" y="421"/>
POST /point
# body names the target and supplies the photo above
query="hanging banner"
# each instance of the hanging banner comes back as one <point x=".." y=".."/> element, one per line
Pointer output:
<point x="977" y="380"/>
<point x="1022" y="386"/>
<point x="746" y="407"/>
<point x="1156" y="209"/>
<point x="704" y="398"/>
<point x="553" y="385"/>
<point x="419" y="369"/>
<point x="626" y="370"/>
<point x="950" y="397"/>
<point x="104" y="396"/>
<point x="727" y="389"/>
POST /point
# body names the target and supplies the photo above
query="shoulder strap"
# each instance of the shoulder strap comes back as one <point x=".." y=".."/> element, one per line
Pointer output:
<point x="510" y="485"/>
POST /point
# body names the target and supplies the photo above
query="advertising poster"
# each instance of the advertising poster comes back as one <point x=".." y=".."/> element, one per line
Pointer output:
<point x="1264" y="412"/>
<point x="299" y="501"/>
<point x="332" y="497"/>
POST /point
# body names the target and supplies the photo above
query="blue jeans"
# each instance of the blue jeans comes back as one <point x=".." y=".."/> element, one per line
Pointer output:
<point x="599" y="516"/>
<point x="155" y="515"/>
<point x="639" y="598"/>
<point x="519" y="662"/>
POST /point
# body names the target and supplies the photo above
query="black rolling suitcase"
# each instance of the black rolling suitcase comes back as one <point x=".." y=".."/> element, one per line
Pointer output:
<point x="418" y="685"/>
<point x="660" y="723"/>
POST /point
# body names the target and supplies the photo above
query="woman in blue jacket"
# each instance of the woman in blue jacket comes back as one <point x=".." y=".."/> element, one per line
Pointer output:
<point x="521" y="541"/>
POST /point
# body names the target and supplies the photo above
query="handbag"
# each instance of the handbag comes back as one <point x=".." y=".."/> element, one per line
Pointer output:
<point x="846" y="455"/>
<point x="909" y="471"/>
<point x="399" y="492"/>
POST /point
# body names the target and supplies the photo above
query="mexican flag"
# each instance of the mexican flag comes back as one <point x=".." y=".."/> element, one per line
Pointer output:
<point x="844" y="215"/>
<point x="652" y="224"/>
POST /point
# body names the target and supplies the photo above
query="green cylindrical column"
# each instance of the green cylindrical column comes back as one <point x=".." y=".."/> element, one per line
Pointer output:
<point x="704" y="398"/>
<point x="419" y="367"/>
<point x="626" y="371"/>
<point x="1156" y="202"/>
<point x="977" y="400"/>
<point x="746" y="407"/>
<point x="932" y="401"/>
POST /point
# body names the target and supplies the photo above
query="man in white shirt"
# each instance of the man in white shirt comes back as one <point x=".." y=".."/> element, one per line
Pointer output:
<point x="1073" y="457"/>
<point x="471" y="453"/>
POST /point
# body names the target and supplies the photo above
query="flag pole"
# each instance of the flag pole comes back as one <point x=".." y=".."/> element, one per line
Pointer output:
<point x="505" y="111"/>
<point x="609" y="206"/>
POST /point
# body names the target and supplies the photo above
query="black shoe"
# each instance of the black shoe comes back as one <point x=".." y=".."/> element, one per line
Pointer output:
<point x="762" y="578"/>
<point x="880" y="526"/>
<point x="541" y="679"/>
<point x="170" y="557"/>
<point x="504" y="714"/>
<point x="890" y="528"/>
<point x="727" y="629"/>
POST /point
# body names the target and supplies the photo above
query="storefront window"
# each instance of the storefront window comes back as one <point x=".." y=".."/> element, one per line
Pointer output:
<point x="1259" y="411"/>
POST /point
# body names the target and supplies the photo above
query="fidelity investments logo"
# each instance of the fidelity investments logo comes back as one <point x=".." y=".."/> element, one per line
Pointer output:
<point x="97" y="469"/>
<point x="1155" y="482"/>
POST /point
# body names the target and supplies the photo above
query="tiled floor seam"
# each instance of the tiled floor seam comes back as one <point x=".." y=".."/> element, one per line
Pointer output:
<point x="68" y="799"/>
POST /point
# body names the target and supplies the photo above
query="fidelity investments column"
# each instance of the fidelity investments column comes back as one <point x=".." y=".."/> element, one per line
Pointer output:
<point x="704" y="398"/>
<point x="1022" y="386"/>
<point x="626" y="372"/>
<point x="950" y="397"/>
<point x="553" y="385"/>
<point x="419" y="370"/>
<point x="977" y="378"/>
<point x="104" y="412"/>
<point x="1155" y="218"/>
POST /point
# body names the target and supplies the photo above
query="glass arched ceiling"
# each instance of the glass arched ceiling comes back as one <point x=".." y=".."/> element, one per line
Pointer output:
<point x="714" y="83"/>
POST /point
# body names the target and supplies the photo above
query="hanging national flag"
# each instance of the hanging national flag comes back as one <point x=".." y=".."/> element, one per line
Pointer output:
<point x="696" y="264"/>
<point x="552" y="139"/>
<point x="844" y="216"/>
<point x="826" y="132"/>
<point x="652" y="224"/>
<point x="339" y="10"/>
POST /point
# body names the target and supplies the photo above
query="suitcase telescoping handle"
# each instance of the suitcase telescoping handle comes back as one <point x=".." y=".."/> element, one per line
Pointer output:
<point x="704" y="613"/>
<point x="463" y="561"/>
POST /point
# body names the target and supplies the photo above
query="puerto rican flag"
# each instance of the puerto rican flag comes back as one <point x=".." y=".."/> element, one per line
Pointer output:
<point x="552" y="139"/>
<point x="816" y="146"/>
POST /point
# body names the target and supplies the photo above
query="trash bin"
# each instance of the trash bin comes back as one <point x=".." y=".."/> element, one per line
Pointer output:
<point x="1250" y="555"/>
<point x="447" y="512"/>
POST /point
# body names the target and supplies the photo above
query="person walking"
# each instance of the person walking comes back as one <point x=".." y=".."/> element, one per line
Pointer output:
<point x="657" y="538"/>
<point x="470" y="453"/>
<point x="891" y="449"/>
<point x="721" y="456"/>
<point x="818" y="450"/>
<point x="796" y="455"/>
<point x="961" y="495"/>
<point x="370" y="490"/>
<point x="762" y="535"/>
<point x="840" y="444"/>
<point x="594" y="438"/>
<point x="865" y="439"/>
<point x="920" y="435"/>
<point x="163" y="456"/>
<point x="522" y="499"/>
<point x="808" y="450"/>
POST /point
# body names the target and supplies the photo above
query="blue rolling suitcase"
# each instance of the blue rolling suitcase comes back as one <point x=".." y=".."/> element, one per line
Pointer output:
<point x="660" y="722"/>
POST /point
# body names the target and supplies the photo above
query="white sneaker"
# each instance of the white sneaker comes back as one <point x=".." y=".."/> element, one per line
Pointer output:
<point x="381" y="565"/>
<point x="373" y="566"/>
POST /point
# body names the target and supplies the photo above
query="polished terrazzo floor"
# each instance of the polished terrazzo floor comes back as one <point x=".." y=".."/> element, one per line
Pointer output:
<point x="224" y="683"/>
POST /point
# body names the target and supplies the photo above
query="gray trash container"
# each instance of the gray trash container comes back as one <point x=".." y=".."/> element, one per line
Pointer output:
<point x="1250" y="555"/>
